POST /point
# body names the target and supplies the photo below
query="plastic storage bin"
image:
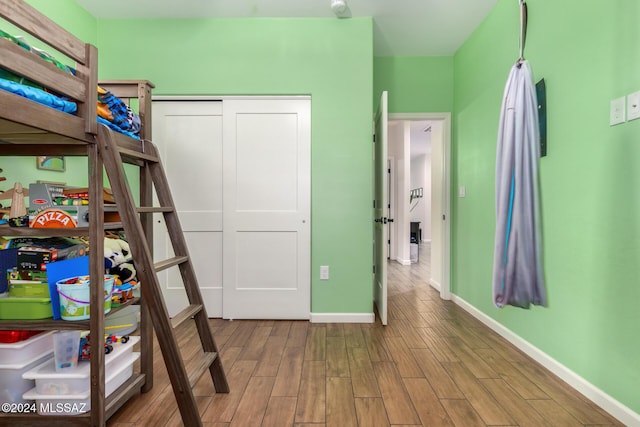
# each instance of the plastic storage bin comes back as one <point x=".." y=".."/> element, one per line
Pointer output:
<point x="123" y="322"/>
<point x="28" y="289"/>
<point x="73" y="404"/>
<point x="76" y="381"/>
<point x="74" y="296"/>
<point x="12" y="385"/>
<point x="25" y="308"/>
<point x="16" y="353"/>
<point x="9" y="337"/>
<point x="66" y="347"/>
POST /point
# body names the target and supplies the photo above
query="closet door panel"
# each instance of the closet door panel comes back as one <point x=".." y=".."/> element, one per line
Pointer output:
<point x="189" y="137"/>
<point x="267" y="246"/>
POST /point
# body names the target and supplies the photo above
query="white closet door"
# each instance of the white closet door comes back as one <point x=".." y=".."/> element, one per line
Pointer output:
<point x="266" y="201"/>
<point x="189" y="137"/>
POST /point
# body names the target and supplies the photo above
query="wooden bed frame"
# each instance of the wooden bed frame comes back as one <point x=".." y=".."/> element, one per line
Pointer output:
<point x="28" y="128"/>
<point x="23" y="120"/>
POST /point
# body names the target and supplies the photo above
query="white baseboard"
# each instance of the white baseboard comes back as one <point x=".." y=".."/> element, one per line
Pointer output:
<point x="618" y="410"/>
<point x="404" y="261"/>
<point x="342" y="318"/>
<point x="435" y="284"/>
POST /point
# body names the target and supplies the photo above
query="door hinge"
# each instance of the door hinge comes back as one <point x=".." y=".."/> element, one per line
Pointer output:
<point x="374" y="269"/>
<point x="374" y="204"/>
<point x="443" y="217"/>
<point x="389" y="171"/>
<point x="374" y="137"/>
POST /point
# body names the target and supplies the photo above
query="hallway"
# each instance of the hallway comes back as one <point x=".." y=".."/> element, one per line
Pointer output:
<point x="433" y="365"/>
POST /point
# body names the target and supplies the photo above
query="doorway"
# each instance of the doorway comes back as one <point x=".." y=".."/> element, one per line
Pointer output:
<point x="438" y="125"/>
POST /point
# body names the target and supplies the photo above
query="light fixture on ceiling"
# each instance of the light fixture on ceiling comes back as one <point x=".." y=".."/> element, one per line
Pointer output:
<point x="338" y="7"/>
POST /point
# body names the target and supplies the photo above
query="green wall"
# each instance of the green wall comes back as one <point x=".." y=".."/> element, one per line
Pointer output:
<point x="329" y="59"/>
<point x="70" y="16"/>
<point x="588" y="55"/>
<point x="416" y="84"/>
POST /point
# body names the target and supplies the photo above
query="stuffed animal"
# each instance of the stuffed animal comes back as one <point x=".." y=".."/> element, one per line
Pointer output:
<point x="118" y="260"/>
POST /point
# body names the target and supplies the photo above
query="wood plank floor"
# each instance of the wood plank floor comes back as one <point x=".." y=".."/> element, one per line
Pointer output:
<point x="433" y="365"/>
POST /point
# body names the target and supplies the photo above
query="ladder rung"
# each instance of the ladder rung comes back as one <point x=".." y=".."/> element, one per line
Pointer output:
<point x="205" y="361"/>
<point x="185" y="314"/>
<point x="155" y="209"/>
<point x="125" y="152"/>
<point x="167" y="263"/>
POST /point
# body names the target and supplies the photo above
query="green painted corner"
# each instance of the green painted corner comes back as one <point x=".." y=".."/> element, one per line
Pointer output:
<point x="416" y="84"/>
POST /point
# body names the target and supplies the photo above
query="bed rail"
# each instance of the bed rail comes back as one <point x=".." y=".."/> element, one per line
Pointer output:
<point x="81" y="87"/>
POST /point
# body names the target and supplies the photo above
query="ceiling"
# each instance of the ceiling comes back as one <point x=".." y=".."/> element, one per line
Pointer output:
<point x="400" y="27"/>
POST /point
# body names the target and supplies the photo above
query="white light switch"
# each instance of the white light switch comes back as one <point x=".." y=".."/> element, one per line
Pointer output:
<point x="633" y="106"/>
<point x="324" y="272"/>
<point x="616" y="113"/>
<point x="462" y="191"/>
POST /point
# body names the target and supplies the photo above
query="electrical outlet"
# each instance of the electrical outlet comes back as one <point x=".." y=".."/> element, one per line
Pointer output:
<point x="324" y="272"/>
<point x="462" y="191"/>
<point x="633" y="106"/>
<point x="617" y="111"/>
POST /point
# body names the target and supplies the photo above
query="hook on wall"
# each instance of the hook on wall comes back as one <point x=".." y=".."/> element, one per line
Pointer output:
<point x="523" y="30"/>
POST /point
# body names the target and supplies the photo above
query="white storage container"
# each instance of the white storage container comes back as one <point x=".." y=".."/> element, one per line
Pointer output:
<point x="76" y="380"/>
<point x="74" y="404"/>
<point x="123" y="322"/>
<point x="12" y="385"/>
<point x="36" y="346"/>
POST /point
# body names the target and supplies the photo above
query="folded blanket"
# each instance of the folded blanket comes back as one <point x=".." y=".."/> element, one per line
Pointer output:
<point x="38" y="95"/>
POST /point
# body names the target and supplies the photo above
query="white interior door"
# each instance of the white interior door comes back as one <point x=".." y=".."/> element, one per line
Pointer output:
<point x="266" y="201"/>
<point x="189" y="137"/>
<point x="381" y="204"/>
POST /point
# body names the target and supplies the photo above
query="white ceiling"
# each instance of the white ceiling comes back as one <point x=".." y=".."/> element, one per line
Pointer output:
<point x="401" y="27"/>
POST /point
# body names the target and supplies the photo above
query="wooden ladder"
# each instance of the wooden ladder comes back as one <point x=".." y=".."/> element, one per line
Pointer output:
<point x="113" y="150"/>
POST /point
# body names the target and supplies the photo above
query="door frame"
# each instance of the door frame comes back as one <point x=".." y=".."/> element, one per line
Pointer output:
<point x="445" y="118"/>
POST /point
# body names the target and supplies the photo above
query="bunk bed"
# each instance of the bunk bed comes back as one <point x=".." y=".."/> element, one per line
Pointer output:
<point x="28" y="128"/>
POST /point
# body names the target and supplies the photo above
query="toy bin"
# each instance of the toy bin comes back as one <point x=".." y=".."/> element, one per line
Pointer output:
<point x="9" y="337"/>
<point x="25" y="308"/>
<point x="66" y="347"/>
<point x="21" y="289"/>
<point x="12" y="385"/>
<point x="16" y="353"/>
<point x="123" y="322"/>
<point x="78" y="403"/>
<point x="76" y="381"/>
<point x="74" y="296"/>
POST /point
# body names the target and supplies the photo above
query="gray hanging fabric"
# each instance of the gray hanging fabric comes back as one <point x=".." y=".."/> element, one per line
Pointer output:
<point x="518" y="277"/>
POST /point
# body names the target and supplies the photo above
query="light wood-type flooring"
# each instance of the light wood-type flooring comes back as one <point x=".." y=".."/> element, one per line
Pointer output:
<point x="433" y="365"/>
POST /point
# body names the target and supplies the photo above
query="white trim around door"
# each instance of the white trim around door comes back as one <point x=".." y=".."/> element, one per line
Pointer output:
<point x="444" y="212"/>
